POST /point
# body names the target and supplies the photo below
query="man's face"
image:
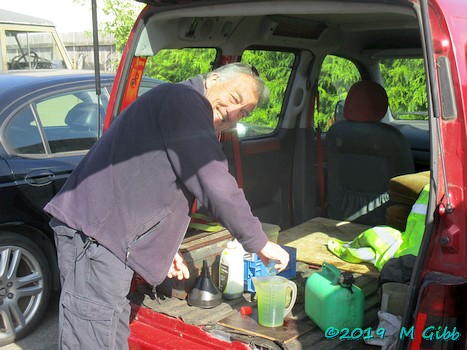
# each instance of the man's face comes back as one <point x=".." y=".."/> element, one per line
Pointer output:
<point x="231" y="100"/>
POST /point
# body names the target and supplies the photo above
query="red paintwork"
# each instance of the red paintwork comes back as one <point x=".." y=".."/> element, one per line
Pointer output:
<point x="448" y="19"/>
<point x="136" y="70"/>
<point x="151" y="330"/>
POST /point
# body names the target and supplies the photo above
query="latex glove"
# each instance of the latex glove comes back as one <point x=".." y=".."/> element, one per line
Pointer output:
<point x="273" y="251"/>
<point x="179" y="268"/>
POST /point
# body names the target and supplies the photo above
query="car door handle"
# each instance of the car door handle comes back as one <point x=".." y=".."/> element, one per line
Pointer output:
<point x="39" y="177"/>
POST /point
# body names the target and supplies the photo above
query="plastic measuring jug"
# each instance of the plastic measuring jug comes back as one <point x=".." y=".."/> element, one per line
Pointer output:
<point x="272" y="294"/>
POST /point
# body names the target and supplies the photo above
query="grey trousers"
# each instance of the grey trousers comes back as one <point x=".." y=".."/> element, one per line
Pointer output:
<point x="94" y="310"/>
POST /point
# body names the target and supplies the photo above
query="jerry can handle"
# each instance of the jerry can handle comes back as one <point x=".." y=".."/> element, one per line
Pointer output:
<point x="331" y="272"/>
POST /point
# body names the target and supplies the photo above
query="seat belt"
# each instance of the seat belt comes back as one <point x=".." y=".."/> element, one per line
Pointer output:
<point x="319" y="148"/>
<point x="231" y="137"/>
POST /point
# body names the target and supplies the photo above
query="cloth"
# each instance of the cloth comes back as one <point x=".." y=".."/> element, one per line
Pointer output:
<point x="413" y="234"/>
<point x="134" y="190"/>
<point x="379" y="244"/>
<point x="93" y="310"/>
<point x="397" y="270"/>
<point x="391" y="326"/>
<point x="376" y="245"/>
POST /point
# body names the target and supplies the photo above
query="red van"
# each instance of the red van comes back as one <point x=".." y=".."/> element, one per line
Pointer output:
<point x="312" y="156"/>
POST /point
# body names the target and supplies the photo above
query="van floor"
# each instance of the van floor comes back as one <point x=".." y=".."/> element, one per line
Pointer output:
<point x="299" y="332"/>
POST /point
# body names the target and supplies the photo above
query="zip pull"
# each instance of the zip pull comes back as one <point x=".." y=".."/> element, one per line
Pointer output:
<point x="127" y="255"/>
<point x="128" y="248"/>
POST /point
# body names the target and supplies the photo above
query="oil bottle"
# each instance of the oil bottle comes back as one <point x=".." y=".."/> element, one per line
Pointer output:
<point x="231" y="270"/>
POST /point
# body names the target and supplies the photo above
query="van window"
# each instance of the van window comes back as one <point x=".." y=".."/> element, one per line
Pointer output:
<point x="175" y="65"/>
<point x="275" y="68"/>
<point x="337" y="76"/>
<point x="405" y="84"/>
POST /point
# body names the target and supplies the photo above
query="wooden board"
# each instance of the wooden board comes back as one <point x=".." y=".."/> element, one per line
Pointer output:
<point x="248" y="324"/>
<point x="311" y="237"/>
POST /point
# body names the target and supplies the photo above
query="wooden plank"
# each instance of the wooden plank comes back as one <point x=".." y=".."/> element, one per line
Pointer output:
<point x="311" y="237"/>
<point x="248" y="324"/>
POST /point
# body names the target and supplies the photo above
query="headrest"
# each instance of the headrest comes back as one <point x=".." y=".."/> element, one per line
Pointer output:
<point x="83" y="116"/>
<point x="366" y="102"/>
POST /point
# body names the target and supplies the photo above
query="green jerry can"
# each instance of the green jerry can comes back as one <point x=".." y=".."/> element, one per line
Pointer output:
<point x="332" y="300"/>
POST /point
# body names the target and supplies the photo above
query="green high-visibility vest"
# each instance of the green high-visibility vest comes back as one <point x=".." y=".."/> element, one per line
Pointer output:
<point x="413" y="234"/>
<point x="380" y="243"/>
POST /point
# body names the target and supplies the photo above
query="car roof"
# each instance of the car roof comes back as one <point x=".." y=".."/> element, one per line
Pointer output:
<point x="31" y="80"/>
<point x="20" y="84"/>
<point x="16" y="85"/>
<point x="21" y="77"/>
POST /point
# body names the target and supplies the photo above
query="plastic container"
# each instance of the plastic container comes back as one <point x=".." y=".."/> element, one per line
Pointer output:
<point x="254" y="267"/>
<point x="394" y="296"/>
<point x="272" y="293"/>
<point x="332" y="300"/>
<point x="231" y="270"/>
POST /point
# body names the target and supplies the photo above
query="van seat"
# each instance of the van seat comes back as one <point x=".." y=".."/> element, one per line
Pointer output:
<point x="363" y="154"/>
<point x="403" y="192"/>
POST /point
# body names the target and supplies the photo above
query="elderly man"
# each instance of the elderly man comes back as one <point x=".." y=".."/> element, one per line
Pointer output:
<point x="127" y="205"/>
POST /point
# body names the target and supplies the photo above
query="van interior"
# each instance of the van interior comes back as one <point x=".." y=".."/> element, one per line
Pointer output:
<point x="346" y="144"/>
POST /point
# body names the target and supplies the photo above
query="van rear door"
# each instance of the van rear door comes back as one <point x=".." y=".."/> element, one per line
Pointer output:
<point x="440" y="279"/>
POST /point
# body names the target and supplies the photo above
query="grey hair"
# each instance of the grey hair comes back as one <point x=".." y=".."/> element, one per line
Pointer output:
<point x="230" y="70"/>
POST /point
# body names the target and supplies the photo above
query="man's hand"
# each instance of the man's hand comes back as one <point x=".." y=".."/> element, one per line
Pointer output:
<point x="178" y="269"/>
<point x="273" y="251"/>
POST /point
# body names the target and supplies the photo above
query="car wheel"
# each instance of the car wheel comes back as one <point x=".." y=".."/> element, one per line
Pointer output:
<point x="25" y="285"/>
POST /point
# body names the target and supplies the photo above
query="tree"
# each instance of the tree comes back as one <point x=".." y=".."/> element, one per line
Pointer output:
<point x="121" y="16"/>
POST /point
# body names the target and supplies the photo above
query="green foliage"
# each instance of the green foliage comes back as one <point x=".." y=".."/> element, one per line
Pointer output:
<point x="274" y="68"/>
<point x="404" y="80"/>
<point x="124" y="13"/>
<point x="336" y="77"/>
<point x="180" y="64"/>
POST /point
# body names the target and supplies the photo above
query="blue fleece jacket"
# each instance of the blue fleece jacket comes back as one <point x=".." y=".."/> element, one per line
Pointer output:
<point x="134" y="190"/>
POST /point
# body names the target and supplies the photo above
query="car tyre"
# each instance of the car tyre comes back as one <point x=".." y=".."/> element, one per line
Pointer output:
<point x="25" y="286"/>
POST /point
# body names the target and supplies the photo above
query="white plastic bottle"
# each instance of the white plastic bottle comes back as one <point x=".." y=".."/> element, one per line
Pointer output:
<point x="231" y="271"/>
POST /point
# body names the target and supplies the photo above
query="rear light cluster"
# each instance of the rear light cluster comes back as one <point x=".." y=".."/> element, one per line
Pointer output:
<point x="440" y="321"/>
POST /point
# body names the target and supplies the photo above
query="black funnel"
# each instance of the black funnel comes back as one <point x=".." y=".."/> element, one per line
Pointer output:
<point x="204" y="294"/>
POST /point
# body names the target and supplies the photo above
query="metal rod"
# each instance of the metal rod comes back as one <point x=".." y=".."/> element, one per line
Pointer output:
<point x="95" y="43"/>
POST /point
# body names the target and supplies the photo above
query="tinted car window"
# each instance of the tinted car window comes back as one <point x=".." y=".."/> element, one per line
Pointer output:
<point x="22" y="135"/>
<point x="69" y="122"/>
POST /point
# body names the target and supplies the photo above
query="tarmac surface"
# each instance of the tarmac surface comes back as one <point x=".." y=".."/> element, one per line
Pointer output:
<point x="45" y="336"/>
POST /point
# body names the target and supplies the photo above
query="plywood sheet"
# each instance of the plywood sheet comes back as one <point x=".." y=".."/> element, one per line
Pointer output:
<point x="248" y="324"/>
<point x="311" y="237"/>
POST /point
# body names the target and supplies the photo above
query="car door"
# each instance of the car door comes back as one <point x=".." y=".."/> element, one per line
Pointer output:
<point x="46" y="141"/>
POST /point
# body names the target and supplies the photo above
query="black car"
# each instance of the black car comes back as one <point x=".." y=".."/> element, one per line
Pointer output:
<point x="48" y="121"/>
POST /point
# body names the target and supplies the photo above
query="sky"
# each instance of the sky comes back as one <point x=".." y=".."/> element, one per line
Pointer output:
<point x="67" y="15"/>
